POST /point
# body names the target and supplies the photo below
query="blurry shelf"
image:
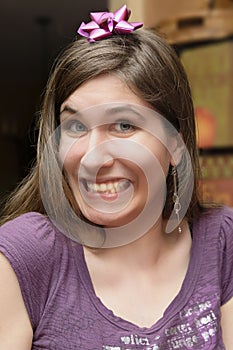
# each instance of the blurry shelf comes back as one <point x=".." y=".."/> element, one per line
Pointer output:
<point x="216" y="151"/>
<point x="207" y="25"/>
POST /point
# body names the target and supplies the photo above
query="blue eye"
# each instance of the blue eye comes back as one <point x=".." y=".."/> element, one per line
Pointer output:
<point x="76" y="127"/>
<point x="124" y="127"/>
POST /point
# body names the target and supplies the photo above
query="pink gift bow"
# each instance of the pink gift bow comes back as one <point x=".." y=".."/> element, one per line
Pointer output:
<point x="104" y="24"/>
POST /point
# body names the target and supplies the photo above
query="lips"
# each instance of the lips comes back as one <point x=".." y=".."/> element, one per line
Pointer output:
<point x="107" y="187"/>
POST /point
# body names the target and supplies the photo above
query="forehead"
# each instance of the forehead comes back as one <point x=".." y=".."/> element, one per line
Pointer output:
<point x="100" y="90"/>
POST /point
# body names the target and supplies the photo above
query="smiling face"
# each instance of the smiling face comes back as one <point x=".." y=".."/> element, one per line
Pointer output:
<point x="112" y="160"/>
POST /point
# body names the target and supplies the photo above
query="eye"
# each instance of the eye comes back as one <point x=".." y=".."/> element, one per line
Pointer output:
<point x="124" y="126"/>
<point x="75" y="127"/>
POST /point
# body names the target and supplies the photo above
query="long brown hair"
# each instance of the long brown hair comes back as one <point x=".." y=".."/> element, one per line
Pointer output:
<point x="150" y="68"/>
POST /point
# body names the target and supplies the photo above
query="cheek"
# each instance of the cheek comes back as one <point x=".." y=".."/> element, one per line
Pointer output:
<point x="160" y="154"/>
<point x="70" y="167"/>
<point x="70" y="158"/>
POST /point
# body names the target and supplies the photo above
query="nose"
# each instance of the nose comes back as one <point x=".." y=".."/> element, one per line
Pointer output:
<point x="98" y="151"/>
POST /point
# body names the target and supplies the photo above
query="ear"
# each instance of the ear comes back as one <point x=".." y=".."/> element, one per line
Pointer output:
<point x="177" y="150"/>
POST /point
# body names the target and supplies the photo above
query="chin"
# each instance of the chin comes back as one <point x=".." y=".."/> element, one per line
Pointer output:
<point x="110" y="220"/>
<point x="105" y="221"/>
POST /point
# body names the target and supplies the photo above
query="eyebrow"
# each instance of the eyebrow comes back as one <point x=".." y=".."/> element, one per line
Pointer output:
<point x="68" y="109"/>
<point x="110" y="110"/>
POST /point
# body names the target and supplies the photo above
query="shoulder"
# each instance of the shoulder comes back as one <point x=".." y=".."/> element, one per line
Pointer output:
<point x="223" y="222"/>
<point x="24" y="224"/>
<point x="31" y="231"/>
<point x="27" y="241"/>
<point x="220" y="230"/>
<point x="216" y="224"/>
<point x="218" y="221"/>
<point x="225" y="218"/>
<point x="31" y="242"/>
<point x="226" y="253"/>
<point x="34" y="248"/>
<point x="214" y="229"/>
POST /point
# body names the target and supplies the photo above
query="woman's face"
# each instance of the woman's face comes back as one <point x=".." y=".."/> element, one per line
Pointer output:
<point x="112" y="150"/>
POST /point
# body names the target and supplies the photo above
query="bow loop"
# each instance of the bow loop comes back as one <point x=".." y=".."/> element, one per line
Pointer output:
<point x="104" y="24"/>
<point x="122" y="14"/>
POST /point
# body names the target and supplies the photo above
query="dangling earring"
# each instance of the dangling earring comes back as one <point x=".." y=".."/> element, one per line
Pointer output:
<point x="176" y="199"/>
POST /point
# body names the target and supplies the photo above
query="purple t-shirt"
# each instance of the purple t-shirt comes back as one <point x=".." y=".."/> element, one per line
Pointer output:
<point x="67" y="315"/>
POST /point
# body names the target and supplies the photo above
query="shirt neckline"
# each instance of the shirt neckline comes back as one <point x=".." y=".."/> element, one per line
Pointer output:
<point x="176" y="304"/>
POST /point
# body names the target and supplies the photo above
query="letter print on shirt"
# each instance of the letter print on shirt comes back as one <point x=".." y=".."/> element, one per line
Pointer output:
<point x="196" y="327"/>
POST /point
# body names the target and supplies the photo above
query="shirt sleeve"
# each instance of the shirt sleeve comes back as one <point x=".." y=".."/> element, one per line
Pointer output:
<point x="226" y="251"/>
<point x="28" y="242"/>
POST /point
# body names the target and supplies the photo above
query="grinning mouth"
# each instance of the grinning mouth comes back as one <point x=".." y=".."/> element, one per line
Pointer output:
<point x="108" y="187"/>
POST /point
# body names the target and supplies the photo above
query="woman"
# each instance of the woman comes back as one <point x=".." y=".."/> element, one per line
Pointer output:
<point x="106" y="245"/>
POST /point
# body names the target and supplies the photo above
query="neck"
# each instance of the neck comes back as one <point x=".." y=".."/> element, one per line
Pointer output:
<point x="144" y="252"/>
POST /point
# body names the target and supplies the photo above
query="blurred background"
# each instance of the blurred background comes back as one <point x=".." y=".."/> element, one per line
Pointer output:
<point x="32" y="34"/>
<point x="201" y="31"/>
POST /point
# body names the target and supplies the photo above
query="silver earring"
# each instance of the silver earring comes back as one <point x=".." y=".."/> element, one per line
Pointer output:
<point x="176" y="199"/>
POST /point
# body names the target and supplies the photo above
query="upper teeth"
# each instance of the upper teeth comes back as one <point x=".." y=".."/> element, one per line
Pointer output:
<point x="111" y="187"/>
